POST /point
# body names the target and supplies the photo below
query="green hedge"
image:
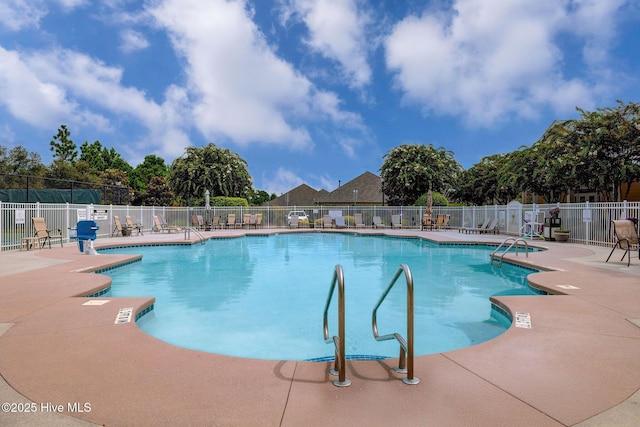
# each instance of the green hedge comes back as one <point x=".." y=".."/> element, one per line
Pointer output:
<point x="228" y="201"/>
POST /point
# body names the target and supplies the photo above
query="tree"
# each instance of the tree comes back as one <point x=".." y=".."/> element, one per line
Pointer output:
<point x="19" y="161"/>
<point x="118" y="188"/>
<point x="218" y="170"/>
<point x="157" y="192"/>
<point x="152" y="166"/>
<point x="607" y="142"/>
<point x="488" y="182"/>
<point x="64" y="149"/>
<point x="259" y="197"/>
<point x="411" y="170"/>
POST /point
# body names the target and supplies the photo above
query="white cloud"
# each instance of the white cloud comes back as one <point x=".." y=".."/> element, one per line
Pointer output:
<point x="595" y="21"/>
<point x="489" y="59"/>
<point x="283" y="181"/>
<point x="63" y="86"/>
<point x="241" y="90"/>
<point x="338" y="31"/>
<point x="132" y="41"/>
<point x="19" y="14"/>
<point x="27" y="97"/>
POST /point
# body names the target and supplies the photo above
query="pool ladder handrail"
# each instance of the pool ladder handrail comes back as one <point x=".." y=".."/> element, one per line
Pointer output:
<point x="405" y="364"/>
<point x="514" y="243"/>
<point x="187" y="234"/>
<point x="339" y="340"/>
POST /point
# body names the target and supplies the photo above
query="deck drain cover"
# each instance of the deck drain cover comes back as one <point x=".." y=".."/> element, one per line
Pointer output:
<point x="124" y="315"/>
<point x="96" y="302"/>
<point x="523" y="320"/>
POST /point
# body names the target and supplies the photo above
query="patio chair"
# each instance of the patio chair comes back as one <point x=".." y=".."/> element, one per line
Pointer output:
<point x="439" y="221"/>
<point x="215" y="222"/>
<point x="117" y="226"/>
<point x="293" y="221"/>
<point x="134" y="225"/>
<point x="445" y="224"/>
<point x="396" y="222"/>
<point x="258" y="220"/>
<point x="358" y="220"/>
<point x="427" y="222"/>
<point x="43" y="234"/>
<point x="626" y="238"/>
<point x="377" y="222"/>
<point x="197" y="222"/>
<point x="327" y="221"/>
<point x="231" y="220"/>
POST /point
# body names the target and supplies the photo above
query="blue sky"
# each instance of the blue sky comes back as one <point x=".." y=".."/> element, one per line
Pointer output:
<point x="309" y="91"/>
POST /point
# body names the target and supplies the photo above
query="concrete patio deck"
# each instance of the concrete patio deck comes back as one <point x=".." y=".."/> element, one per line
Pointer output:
<point x="68" y="363"/>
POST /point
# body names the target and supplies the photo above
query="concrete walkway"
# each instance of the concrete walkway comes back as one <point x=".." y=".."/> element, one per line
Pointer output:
<point x="577" y="365"/>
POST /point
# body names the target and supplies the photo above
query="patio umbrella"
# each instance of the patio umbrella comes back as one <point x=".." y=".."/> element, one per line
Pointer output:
<point x="429" y="202"/>
<point x="207" y="206"/>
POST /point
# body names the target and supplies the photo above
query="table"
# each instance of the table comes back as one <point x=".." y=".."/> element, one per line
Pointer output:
<point x="29" y="242"/>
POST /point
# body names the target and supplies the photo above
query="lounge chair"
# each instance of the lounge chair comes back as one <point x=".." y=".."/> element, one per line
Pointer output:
<point x="492" y="227"/>
<point x="340" y="222"/>
<point x="439" y="221"/>
<point x="396" y="222"/>
<point x="43" y="234"/>
<point x="480" y="229"/>
<point x="327" y="221"/>
<point x="293" y="221"/>
<point x="377" y="222"/>
<point x="134" y="225"/>
<point x="258" y="220"/>
<point x="163" y="226"/>
<point x="626" y="238"/>
<point x="117" y="226"/>
<point x="358" y="220"/>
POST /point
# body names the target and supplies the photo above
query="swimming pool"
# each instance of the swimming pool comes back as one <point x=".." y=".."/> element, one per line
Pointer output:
<point x="263" y="296"/>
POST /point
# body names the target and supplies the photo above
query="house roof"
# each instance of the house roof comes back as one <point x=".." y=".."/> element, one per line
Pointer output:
<point x="368" y="185"/>
<point x="302" y="195"/>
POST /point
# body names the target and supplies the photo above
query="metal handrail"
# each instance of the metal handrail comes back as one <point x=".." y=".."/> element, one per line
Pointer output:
<point x="187" y="234"/>
<point x="515" y="243"/>
<point x="339" y="340"/>
<point x="406" y="347"/>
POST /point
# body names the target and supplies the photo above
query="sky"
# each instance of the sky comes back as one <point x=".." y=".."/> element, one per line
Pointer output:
<point x="309" y="91"/>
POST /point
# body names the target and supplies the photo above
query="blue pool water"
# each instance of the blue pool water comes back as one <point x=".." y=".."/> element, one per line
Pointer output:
<point x="264" y="296"/>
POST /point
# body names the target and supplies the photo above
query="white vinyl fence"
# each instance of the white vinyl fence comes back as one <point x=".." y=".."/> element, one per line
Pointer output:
<point x="590" y="223"/>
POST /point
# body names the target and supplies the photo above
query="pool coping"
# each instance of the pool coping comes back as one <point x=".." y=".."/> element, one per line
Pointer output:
<point x="555" y="373"/>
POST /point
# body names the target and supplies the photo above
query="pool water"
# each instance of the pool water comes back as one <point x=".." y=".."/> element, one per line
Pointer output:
<point x="263" y="296"/>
